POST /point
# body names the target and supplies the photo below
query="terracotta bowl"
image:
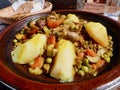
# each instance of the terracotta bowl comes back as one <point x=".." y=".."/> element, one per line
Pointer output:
<point x="18" y="78"/>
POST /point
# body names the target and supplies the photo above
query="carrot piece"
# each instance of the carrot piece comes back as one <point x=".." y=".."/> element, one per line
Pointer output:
<point x="38" y="62"/>
<point x="52" y="23"/>
<point x="97" y="65"/>
<point x="100" y="63"/>
<point x="91" y="53"/>
<point x="51" y="40"/>
<point x="81" y="55"/>
<point x="33" y="30"/>
<point x="94" y="66"/>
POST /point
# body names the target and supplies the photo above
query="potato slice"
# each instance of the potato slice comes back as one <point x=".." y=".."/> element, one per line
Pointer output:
<point x="98" y="32"/>
<point x="63" y="65"/>
<point x="28" y="51"/>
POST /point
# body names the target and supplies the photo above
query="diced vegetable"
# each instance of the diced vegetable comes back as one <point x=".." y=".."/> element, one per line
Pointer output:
<point x="50" y="50"/>
<point x="35" y="71"/>
<point x="73" y="17"/>
<point x="38" y="62"/>
<point x="46" y="30"/>
<point x="94" y="67"/>
<point x="51" y="40"/>
<point x="91" y="53"/>
<point x="93" y="59"/>
<point x="106" y="58"/>
<point x="81" y="72"/>
<point x="97" y="65"/>
<point x="49" y="60"/>
<point x="15" y="41"/>
<point x="46" y="68"/>
<point x="85" y="69"/>
<point x="55" y="51"/>
<point x="81" y="55"/>
<point x="86" y="61"/>
<point x="33" y="30"/>
<point x="52" y="23"/>
<point x="100" y="63"/>
<point x="70" y="23"/>
<point x="32" y="23"/>
<point x="19" y="36"/>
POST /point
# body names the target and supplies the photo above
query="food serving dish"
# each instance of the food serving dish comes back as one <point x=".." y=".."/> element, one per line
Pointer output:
<point x="19" y="79"/>
<point x="9" y="16"/>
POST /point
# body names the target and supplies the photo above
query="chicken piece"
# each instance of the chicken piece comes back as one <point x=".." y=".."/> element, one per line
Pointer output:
<point x="63" y="65"/>
<point x="28" y="51"/>
<point x="97" y="32"/>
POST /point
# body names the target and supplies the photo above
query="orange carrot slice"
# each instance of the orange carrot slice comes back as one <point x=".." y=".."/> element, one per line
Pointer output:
<point x="91" y="53"/>
<point x="52" y="23"/>
<point x="38" y="62"/>
<point x="97" y="65"/>
<point x="51" y="40"/>
<point x="100" y="63"/>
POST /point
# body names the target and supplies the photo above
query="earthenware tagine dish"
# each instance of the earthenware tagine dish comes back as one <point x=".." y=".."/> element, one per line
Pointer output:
<point x="18" y="78"/>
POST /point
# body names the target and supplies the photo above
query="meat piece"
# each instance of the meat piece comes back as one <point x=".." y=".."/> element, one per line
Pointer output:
<point x="73" y="36"/>
<point x="40" y="23"/>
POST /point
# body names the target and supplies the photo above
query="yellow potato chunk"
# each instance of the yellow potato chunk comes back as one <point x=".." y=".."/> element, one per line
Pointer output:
<point x="63" y="65"/>
<point x="27" y="52"/>
<point x="97" y="32"/>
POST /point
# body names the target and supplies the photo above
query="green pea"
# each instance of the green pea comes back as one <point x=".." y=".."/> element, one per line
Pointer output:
<point x="73" y="27"/>
<point x="85" y="68"/>
<point x="76" y="69"/>
<point x="76" y="44"/>
<point x="106" y="58"/>
<point x="81" y="72"/>
<point x="15" y="41"/>
<point x="109" y="53"/>
<point x="50" y="50"/>
<point x="46" y="68"/>
<point x="79" y="66"/>
<point x="49" y="60"/>
<point x="55" y="51"/>
<point x="111" y="49"/>
<point x="86" y="61"/>
<point x="95" y="74"/>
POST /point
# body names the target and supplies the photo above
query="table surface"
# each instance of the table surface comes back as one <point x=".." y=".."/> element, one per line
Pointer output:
<point x="114" y="85"/>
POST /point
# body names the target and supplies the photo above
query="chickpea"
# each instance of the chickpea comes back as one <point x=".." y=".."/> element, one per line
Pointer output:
<point x="49" y="60"/>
